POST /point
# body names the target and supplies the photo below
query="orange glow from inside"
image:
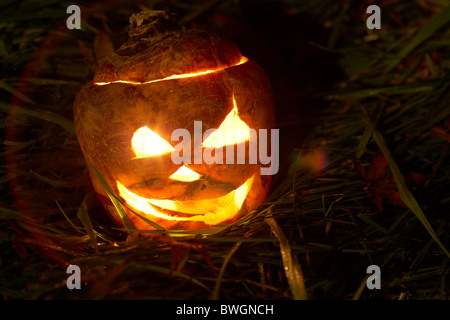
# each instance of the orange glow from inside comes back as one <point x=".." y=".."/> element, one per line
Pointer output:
<point x="185" y="174"/>
<point x="232" y="131"/>
<point x="210" y="211"/>
<point x="146" y="143"/>
<point x="176" y="76"/>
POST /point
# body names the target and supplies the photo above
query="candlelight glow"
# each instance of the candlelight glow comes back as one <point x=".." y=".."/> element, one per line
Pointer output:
<point x="146" y="143"/>
<point x="232" y="131"/>
<point x="209" y="211"/>
<point x="176" y="76"/>
<point x="185" y="174"/>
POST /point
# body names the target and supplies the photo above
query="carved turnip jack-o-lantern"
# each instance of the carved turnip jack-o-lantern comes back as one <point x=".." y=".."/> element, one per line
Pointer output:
<point x="165" y="80"/>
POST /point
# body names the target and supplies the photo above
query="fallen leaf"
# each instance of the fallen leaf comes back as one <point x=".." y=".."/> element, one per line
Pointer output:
<point x="381" y="183"/>
<point x="442" y="132"/>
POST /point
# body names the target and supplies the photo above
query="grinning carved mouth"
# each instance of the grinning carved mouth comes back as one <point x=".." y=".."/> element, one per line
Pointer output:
<point x="210" y="211"/>
<point x="176" y="76"/>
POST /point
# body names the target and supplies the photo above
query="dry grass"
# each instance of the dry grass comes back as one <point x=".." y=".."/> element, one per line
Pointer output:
<point x="391" y="98"/>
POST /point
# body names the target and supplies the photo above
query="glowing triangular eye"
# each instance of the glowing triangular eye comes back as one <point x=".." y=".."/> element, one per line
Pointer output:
<point x="185" y="174"/>
<point x="146" y="143"/>
<point x="232" y="131"/>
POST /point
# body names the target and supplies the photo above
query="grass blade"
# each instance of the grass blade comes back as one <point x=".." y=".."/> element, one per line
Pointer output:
<point x="389" y="91"/>
<point x="215" y="294"/>
<point x="437" y="22"/>
<point x="43" y="115"/>
<point x="83" y="215"/>
<point x="406" y="195"/>
<point x="67" y="218"/>
<point x="15" y="92"/>
<point x="292" y="268"/>
<point x="372" y="223"/>
<point x="120" y="208"/>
